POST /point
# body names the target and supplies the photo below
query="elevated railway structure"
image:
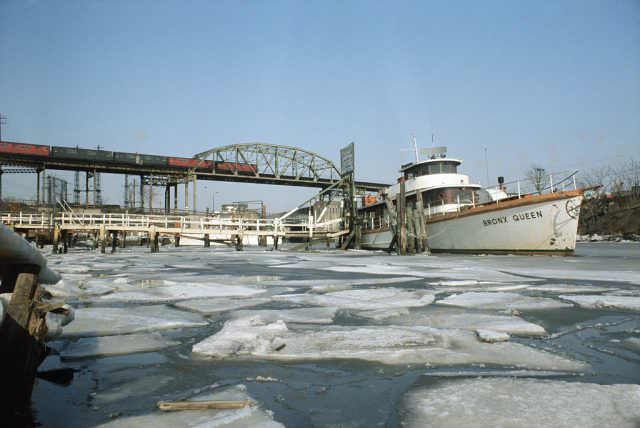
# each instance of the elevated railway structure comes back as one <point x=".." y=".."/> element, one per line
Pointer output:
<point x="246" y="163"/>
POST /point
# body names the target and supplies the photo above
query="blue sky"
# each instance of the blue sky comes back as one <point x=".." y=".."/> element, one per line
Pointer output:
<point x="553" y="83"/>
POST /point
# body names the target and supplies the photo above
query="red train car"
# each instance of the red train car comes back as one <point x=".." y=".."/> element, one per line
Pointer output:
<point x="24" y="149"/>
<point x="233" y="167"/>
<point x="190" y="163"/>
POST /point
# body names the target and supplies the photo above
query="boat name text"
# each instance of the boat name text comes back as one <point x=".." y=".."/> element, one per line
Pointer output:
<point x="529" y="215"/>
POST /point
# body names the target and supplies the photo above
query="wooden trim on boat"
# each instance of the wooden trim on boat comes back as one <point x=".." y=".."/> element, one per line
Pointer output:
<point x="523" y="252"/>
<point x="501" y="205"/>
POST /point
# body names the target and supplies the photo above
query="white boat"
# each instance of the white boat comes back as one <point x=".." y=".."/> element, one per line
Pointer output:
<point x="462" y="217"/>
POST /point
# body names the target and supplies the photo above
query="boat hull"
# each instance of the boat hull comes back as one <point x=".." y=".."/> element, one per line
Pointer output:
<point x="536" y="225"/>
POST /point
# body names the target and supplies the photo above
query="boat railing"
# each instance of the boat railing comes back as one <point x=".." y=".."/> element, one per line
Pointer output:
<point x="542" y="183"/>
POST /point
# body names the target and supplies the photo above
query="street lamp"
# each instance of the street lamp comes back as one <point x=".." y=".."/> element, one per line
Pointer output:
<point x="213" y="202"/>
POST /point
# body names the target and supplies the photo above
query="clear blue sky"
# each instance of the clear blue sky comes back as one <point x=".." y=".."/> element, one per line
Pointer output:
<point x="555" y="83"/>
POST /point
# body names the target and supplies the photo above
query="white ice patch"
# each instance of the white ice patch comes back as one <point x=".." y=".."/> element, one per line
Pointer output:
<point x="502" y="402"/>
<point x="363" y="299"/>
<point x="502" y="301"/>
<point x="253" y="338"/>
<point x="584" y="274"/>
<point x="569" y="288"/>
<point x="90" y="347"/>
<point x="490" y="336"/>
<point x="182" y="291"/>
<point x="632" y="343"/>
<point x="250" y="416"/>
<point x="453" y="318"/>
<point x="98" y="321"/>
<point x="301" y="316"/>
<point x="220" y="304"/>
<point x="605" y="302"/>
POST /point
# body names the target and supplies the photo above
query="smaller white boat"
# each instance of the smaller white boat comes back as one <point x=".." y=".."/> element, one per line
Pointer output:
<point x="462" y="217"/>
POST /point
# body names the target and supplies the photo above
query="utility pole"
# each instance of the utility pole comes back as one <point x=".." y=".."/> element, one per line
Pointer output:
<point x="3" y="121"/>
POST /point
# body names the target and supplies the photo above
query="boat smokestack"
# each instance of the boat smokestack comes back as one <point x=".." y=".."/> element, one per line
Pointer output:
<point x="501" y="183"/>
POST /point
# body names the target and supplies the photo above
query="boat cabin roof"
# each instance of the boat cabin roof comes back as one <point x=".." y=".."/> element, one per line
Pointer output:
<point x="410" y="166"/>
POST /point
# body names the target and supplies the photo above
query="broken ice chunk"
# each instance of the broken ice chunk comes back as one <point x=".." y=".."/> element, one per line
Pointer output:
<point x="503" y="402"/>
<point x="97" y="321"/>
<point x="502" y="301"/>
<point x="605" y="302"/>
<point x="89" y="347"/>
<point x="490" y="336"/>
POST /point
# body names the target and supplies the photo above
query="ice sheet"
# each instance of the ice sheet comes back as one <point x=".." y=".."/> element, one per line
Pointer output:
<point x="302" y="316"/>
<point x="251" y="416"/>
<point x="89" y="347"/>
<point x="632" y="343"/>
<point x="503" y="402"/>
<point x="605" y="302"/>
<point x="254" y="338"/>
<point x="569" y="288"/>
<point x="455" y="318"/>
<point x="363" y="299"/>
<point x="491" y="336"/>
<point x="182" y="291"/>
<point x="220" y="304"/>
<point x="98" y="321"/>
<point x="498" y="300"/>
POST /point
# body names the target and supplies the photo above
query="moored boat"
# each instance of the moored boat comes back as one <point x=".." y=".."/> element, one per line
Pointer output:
<point x="459" y="216"/>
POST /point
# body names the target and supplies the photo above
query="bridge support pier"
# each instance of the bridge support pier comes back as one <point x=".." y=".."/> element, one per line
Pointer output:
<point x="102" y="239"/>
<point x="65" y="242"/>
<point x="55" y="239"/>
<point x="154" y="240"/>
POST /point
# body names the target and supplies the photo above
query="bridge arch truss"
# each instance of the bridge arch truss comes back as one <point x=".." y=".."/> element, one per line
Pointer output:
<point x="273" y="163"/>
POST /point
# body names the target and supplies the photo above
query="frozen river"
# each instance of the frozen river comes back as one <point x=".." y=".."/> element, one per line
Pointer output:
<point x="347" y="339"/>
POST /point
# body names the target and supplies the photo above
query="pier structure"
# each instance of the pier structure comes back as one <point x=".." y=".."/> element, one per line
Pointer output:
<point x="236" y="231"/>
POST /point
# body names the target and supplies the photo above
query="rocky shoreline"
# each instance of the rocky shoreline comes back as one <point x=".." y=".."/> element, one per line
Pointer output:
<point x="616" y="237"/>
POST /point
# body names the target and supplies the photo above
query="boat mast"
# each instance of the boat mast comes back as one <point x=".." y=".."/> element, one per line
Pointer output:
<point x="415" y="147"/>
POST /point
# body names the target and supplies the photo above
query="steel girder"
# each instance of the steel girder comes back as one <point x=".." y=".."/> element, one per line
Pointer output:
<point x="280" y="162"/>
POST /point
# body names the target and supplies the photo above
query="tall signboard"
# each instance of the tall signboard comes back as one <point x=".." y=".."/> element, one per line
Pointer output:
<point x="347" y="159"/>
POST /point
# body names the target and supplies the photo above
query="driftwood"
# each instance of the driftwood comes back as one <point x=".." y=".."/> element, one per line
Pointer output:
<point x="169" y="406"/>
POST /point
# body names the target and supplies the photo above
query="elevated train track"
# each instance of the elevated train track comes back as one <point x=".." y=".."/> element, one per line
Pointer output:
<point x="247" y="163"/>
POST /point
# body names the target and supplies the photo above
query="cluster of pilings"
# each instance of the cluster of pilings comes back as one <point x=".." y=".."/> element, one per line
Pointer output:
<point x="407" y="224"/>
<point x="23" y="326"/>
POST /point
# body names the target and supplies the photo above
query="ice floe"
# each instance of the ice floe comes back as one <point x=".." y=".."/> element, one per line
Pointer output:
<point x="251" y="416"/>
<point x="605" y="301"/>
<point x="503" y="402"/>
<point x="632" y="343"/>
<point x="322" y="315"/>
<point x="255" y="338"/>
<point x="491" y="336"/>
<point x="99" y="321"/>
<point x="174" y="291"/>
<point x="363" y="299"/>
<point x="89" y="347"/>
<point x="444" y="317"/>
<point x="220" y="304"/>
<point x="499" y="300"/>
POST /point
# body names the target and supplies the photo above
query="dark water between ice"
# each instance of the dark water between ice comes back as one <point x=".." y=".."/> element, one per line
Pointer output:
<point x="334" y="392"/>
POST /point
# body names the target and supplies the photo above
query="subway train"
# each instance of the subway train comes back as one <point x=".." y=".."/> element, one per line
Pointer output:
<point x="96" y="155"/>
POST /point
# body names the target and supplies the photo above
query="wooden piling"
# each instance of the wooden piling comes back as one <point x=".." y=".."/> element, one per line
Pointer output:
<point x="22" y="342"/>
<point x="176" y="240"/>
<point x="411" y="232"/>
<point x="114" y="241"/>
<point x="55" y="238"/>
<point x="402" y="228"/>
<point x="207" y="241"/>
<point x="421" y="221"/>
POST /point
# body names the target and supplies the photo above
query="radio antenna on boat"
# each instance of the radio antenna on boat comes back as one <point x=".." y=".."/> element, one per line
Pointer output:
<point x="486" y="165"/>
<point x="415" y="147"/>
